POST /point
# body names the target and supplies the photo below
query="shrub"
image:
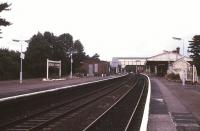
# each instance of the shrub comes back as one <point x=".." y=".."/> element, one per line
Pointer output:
<point x="173" y="76"/>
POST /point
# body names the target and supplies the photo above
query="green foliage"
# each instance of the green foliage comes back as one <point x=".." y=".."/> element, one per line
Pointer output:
<point x="9" y="64"/>
<point x="194" y="49"/>
<point x="43" y="46"/>
<point x="79" y="56"/>
<point x="4" y="7"/>
<point x="96" y="56"/>
<point x="173" y="76"/>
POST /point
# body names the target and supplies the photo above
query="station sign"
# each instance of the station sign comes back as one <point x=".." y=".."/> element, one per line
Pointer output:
<point x="54" y="64"/>
<point x="22" y="55"/>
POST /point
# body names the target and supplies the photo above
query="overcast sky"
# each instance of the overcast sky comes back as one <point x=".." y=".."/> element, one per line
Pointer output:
<point x="111" y="28"/>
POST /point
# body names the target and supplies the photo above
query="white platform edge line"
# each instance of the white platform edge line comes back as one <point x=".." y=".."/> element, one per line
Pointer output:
<point x="56" y="89"/>
<point x="145" y="117"/>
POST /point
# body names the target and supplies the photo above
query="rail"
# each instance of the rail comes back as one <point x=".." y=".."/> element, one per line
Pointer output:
<point x="77" y="106"/>
<point x="120" y="115"/>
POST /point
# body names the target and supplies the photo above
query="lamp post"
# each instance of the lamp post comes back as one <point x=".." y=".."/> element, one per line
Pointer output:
<point x="176" y="38"/>
<point x="21" y="57"/>
<point x="183" y="74"/>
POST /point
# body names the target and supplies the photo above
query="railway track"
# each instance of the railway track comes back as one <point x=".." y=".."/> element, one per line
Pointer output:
<point x="126" y="114"/>
<point x="41" y="119"/>
<point x="13" y="109"/>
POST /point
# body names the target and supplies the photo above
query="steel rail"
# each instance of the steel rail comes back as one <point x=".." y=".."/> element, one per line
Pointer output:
<point x="55" y="106"/>
<point x="121" y="98"/>
<point x="73" y="109"/>
<point x="39" y="125"/>
<point x="136" y="107"/>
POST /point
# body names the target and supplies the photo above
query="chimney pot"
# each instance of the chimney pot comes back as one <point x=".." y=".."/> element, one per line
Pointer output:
<point x="178" y="50"/>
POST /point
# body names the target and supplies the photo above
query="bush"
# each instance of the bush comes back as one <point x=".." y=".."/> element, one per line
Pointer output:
<point x="173" y="76"/>
<point x="9" y="64"/>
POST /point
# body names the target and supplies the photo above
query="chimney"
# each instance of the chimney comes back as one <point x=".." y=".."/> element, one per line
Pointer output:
<point x="178" y="50"/>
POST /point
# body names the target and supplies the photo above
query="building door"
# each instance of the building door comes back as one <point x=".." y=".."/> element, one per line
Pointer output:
<point x="161" y="70"/>
<point x="90" y="71"/>
<point x="96" y="68"/>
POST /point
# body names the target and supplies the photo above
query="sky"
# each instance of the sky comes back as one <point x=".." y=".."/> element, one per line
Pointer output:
<point x="111" y="28"/>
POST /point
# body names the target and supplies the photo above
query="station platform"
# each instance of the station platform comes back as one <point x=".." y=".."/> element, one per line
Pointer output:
<point x="173" y="107"/>
<point x="14" y="88"/>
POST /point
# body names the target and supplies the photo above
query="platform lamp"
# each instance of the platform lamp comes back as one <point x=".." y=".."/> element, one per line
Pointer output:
<point x="21" y="57"/>
<point x="184" y="77"/>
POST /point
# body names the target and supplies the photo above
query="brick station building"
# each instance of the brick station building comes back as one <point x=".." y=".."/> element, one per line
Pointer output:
<point x="95" y="67"/>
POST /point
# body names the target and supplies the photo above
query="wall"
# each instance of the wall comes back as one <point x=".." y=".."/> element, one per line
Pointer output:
<point x="95" y="67"/>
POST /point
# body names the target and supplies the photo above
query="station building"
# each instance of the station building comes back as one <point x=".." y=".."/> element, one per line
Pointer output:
<point x="95" y="67"/>
<point x="158" y="64"/>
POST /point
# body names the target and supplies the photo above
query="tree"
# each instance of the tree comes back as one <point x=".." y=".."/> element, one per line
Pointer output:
<point x="4" y="7"/>
<point x="63" y="44"/>
<point x="36" y="55"/>
<point x="79" y="56"/>
<point x="43" y="46"/>
<point x="96" y="56"/>
<point x="194" y="49"/>
<point x="9" y="64"/>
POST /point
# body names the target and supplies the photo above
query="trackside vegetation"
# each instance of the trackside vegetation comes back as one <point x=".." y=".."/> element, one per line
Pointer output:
<point x="40" y="47"/>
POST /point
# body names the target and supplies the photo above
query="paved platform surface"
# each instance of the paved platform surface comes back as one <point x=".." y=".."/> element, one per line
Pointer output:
<point x="174" y="107"/>
<point x="13" y="88"/>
